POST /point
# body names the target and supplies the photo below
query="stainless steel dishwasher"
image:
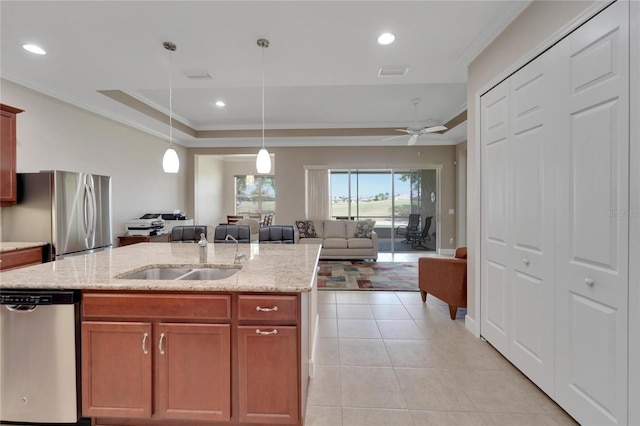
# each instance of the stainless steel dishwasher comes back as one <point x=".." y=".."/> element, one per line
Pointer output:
<point x="39" y="377"/>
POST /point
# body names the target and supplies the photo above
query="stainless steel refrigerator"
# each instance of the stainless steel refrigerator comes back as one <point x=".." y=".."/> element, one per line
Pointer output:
<point x="69" y="210"/>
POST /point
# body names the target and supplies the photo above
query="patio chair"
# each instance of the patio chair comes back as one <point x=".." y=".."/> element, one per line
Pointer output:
<point x="418" y="237"/>
<point x="411" y="228"/>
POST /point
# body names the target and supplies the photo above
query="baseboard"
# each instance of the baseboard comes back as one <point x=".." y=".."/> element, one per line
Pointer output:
<point x="471" y="325"/>
<point x="447" y="251"/>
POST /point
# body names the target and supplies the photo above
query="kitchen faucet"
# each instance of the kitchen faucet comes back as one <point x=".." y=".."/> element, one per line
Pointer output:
<point x="238" y="256"/>
<point x="203" y="248"/>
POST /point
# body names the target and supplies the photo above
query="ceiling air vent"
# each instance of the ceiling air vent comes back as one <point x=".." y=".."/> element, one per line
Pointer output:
<point x="393" y="71"/>
<point x="198" y="75"/>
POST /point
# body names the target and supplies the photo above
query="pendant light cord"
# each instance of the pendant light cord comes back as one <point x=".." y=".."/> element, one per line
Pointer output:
<point x="263" y="97"/>
<point x="170" y="101"/>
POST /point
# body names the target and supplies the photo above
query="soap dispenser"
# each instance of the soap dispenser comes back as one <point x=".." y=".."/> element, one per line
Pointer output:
<point x="203" y="248"/>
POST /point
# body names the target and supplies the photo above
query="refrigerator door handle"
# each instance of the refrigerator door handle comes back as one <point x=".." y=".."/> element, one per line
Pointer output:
<point x="89" y="213"/>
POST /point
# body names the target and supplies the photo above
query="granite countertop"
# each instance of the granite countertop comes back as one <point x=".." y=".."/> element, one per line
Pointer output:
<point x="11" y="245"/>
<point x="269" y="268"/>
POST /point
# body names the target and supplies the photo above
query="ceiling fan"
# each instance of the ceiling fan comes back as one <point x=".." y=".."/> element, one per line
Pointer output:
<point x="416" y="130"/>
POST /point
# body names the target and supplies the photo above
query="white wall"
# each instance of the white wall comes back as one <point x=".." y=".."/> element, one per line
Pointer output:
<point x="535" y="25"/>
<point x="208" y="189"/>
<point x="53" y="135"/>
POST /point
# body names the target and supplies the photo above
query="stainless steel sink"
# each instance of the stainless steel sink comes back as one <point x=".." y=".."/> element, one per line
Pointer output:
<point x="210" y="274"/>
<point x="157" y="274"/>
<point x="183" y="273"/>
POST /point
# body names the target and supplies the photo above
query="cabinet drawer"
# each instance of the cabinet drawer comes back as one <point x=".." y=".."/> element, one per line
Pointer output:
<point x="165" y="306"/>
<point x="273" y="308"/>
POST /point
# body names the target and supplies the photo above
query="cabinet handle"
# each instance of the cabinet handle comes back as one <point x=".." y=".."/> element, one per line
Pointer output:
<point x="525" y="261"/>
<point x="144" y="343"/>
<point x="160" y="346"/>
<point x="589" y="281"/>
<point x="260" y="309"/>
<point x="258" y="331"/>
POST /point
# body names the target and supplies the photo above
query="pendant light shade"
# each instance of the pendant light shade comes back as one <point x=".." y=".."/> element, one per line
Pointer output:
<point x="170" y="161"/>
<point x="263" y="162"/>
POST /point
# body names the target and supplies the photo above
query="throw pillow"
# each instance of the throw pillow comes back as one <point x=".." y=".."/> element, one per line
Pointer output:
<point x="364" y="228"/>
<point x="306" y="228"/>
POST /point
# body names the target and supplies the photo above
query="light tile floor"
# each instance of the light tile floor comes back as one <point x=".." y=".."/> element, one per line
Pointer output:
<point x="385" y="358"/>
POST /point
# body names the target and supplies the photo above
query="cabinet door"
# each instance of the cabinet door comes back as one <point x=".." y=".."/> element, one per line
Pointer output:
<point x="268" y="370"/>
<point x="7" y="158"/>
<point x="194" y="371"/>
<point x="116" y="369"/>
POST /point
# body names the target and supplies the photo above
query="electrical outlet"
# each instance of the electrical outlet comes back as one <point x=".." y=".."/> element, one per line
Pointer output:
<point x="450" y="240"/>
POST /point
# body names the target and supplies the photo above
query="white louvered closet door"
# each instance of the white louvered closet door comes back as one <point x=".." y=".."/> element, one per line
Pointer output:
<point x="593" y="233"/>
<point x="494" y="281"/>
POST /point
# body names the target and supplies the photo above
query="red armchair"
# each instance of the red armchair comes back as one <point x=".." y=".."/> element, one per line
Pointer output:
<point x="445" y="278"/>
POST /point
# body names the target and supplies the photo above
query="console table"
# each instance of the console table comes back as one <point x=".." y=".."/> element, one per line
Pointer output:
<point x="126" y="240"/>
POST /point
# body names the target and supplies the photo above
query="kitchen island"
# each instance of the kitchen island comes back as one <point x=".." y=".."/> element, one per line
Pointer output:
<point x="235" y="350"/>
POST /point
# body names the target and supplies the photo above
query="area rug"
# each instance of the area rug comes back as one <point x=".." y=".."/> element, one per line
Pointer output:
<point x="363" y="275"/>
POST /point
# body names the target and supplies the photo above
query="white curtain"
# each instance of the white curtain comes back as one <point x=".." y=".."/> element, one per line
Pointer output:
<point x="318" y="201"/>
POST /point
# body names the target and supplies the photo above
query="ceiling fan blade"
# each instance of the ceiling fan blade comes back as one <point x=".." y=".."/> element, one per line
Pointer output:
<point x="392" y="137"/>
<point x="412" y="140"/>
<point x="403" y="130"/>
<point x="432" y="129"/>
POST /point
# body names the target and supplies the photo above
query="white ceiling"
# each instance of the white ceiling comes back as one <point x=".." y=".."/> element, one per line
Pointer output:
<point x="321" y="69"/>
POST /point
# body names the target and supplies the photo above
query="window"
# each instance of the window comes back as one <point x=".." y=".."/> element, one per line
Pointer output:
<point x="257" y="198"/>
<point x="387" y="196"/>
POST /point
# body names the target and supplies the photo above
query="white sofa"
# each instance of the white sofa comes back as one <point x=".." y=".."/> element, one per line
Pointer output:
<point x="339" y="241"/>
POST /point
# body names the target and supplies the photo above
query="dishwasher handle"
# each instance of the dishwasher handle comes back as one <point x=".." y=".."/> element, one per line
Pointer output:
<point x="21" y="308"/>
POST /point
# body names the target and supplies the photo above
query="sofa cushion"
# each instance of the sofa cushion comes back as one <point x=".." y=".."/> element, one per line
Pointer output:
<point x="359" y="243"/>
<point x="334" y="243"/>
<point x="335" y="229"/>
<point x="306" y="228"/>
<point x="351" y="228"/>
<point x="310" y="241"/>
<point x="364" y="228"/>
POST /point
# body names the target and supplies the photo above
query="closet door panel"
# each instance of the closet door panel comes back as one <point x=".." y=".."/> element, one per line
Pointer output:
<point x="592" y="267"/>
<point x="494" y="210"/>
<point x="532" y="175"/>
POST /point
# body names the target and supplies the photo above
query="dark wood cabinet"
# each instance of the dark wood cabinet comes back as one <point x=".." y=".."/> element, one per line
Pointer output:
<point x="193" y="371"/>
<point x="158" y="368"/>
<point x="171" y="358"/>
<point x="8" y="186"/>
<point x="126" y="240"/>
<point x="268" y="358"/>
<point x="116" y="369"/>
<point x="268" y="374"/>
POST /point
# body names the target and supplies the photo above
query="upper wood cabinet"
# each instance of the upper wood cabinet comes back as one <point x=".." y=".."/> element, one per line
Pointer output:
<point x="8" y="187"/>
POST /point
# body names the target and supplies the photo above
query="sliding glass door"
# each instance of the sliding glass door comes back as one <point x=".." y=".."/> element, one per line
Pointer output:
<point x="388" y="197"/>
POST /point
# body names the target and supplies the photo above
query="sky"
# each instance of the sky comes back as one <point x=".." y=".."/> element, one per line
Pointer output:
<point x="368" y="185"/>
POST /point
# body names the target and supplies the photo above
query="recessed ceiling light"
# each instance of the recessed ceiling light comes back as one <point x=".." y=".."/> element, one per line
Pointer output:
<point x="34" y="49"/>
<point x="386" y="38"/>
<point x="220" y="104"/>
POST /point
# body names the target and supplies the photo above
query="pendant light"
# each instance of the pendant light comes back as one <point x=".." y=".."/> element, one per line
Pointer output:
<point x="170" y="161"/>
<point x="263" y="162"/>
